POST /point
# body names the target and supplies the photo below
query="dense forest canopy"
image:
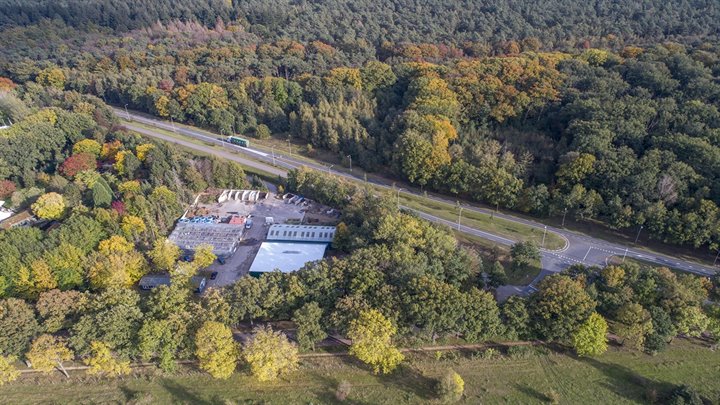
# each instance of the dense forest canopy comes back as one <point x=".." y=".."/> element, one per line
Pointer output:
<point x="375" y="21"/>
<point x="620" y="133"/>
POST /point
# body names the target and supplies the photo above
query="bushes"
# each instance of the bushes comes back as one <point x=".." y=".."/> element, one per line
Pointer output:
<point x="451" y="386"/>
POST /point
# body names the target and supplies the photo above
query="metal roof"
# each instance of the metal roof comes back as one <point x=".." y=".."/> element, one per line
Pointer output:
<point x="286" y="257"/>
<point x="301" y="233"/>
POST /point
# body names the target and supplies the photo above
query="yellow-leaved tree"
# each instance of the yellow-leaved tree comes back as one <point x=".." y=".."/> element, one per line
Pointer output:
<point x="49" y="206"/>
<point x="269" y="354"/>
<point x="371" y="335"/>
<point x="216" y="349"/>
<point x="48" y="352"/>
<point x="8" y="372"/>
<point x="102" y="361"/>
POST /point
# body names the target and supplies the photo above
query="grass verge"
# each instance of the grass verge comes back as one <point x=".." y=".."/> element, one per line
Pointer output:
<point x="484" y="222"/>
<point x="520" y="377"/>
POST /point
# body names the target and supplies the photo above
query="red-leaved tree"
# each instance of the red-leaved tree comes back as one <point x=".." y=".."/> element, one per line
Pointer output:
<point x="77" y="163"/>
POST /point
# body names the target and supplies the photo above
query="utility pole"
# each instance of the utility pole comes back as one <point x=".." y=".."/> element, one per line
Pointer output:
<point x="126" y="112"/>
<point x="564" y="213"/>
<point x="638" y="235"/>
<point x="542" y="245"/>
<point x="459" y="216"/>
<point x="272" y="147"/>
<point x="398" y="197"/>
<point x="350" y="157"/>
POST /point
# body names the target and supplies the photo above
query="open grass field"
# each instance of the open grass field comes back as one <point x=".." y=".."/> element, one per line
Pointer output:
<point x="618" y="377"/>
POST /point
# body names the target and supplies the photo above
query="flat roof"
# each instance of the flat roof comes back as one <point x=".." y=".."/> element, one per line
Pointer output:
<point x="301" y="233"/>
<point x="286" y="257"/>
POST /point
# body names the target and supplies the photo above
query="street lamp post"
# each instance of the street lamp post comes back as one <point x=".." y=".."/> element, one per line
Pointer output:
<point x="542" y="245"/>
<point x="350" y="157"/>
<point x="716" y="257"/>
<point x="459" y="216"/>
<point x="564" y="213"/>
<point x="289" y="147"/>
<point x="329" y="167"/>
<point x="272" y="147"/>
<point x="638" y="234"/>
<point x="127" y="112"/>
<point x="173" y="124"/>
<point x="625" y="254"/>
<point x="398" y="197"/>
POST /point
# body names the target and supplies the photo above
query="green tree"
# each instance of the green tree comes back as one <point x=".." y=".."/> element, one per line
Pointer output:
<point x="17" y="326"/>
<point x="49" y="206"/>
<point x="524" y="254"/>
<point x="216" y="349"/>
<point x="262" y="132"/>
<point x="633" y="323"/>
<point x="480" y="316"/>
<point x="269" y="354"/>
<point x="57" y="309"/>
<point x="515" y="318"/>
<point x="371" y="334"/>
<point x="590" y="338"/>
<point x="559" y="307"/>
<point x="309" y="330"/>
<point x="101" y="193"/>
<point x="203" y="256"/>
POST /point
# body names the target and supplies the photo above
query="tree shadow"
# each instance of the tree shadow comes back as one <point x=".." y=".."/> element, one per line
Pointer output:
<point x="327" y="396"/>
<point x="411" y="380"/>
<point x="531" y="392"/>
<point x="628" y="383"/>
<point x="181" y="394"/>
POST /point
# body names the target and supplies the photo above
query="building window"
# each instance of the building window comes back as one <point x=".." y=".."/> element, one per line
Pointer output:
<point x="302" y="234"/>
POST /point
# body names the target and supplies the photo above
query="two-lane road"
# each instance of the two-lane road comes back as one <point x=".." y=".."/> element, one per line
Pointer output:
<point x="580" y="248"/>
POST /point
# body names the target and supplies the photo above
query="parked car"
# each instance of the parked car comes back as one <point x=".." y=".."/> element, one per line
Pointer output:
<point x="213" y="275"/>
<point x="248" y="224"/>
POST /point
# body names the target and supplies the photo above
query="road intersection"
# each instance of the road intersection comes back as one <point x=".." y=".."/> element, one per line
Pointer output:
<point x="579" y="248"/>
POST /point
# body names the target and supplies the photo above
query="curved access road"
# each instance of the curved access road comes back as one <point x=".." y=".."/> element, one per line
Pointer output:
<point x="579" y="249"/>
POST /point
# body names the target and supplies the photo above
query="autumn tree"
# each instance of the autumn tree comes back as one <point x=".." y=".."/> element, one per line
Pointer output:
<point x="269" y="354"/>
<point x="164" y="254"/>
<point x="451" y="387"/>
<point x="89" y="146"/>
<point x="8" y="372"/>
<point x="216" y="349"/>
<point x="371" y="334"/>
<point x="309" y="329"/>
<point x="56" y="309"/>
<point x="590" y="338"/>
<point x="49" y="206"/>
<point x="48" y="352"/>
<point x="102" y="361"/>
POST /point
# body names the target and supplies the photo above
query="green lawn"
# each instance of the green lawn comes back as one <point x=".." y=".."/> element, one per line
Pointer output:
<point x="617" y="377"/>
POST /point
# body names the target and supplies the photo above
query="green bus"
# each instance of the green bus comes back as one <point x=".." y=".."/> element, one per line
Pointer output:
<point x="238" y="141"/>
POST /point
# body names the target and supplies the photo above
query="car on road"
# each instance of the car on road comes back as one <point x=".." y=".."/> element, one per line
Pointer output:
<point x="213" y="275"/>
<point x="248" y="224"/>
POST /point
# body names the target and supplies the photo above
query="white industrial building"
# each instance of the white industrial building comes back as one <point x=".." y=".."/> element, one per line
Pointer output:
<point x="301" y="233"/>
<point x="286" y="257"/>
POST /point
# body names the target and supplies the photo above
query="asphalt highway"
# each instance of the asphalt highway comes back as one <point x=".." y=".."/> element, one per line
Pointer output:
<point x="579" y="249"/>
